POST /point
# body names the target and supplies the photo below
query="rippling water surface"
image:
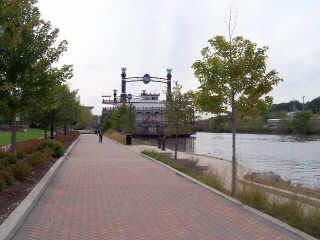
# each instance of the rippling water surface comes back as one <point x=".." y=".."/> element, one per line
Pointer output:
<point x="294" y="158"/>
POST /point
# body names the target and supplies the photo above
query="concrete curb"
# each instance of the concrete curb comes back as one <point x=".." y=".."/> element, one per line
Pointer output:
<point x="235" y="201"/>
<point x="14" y="221"/>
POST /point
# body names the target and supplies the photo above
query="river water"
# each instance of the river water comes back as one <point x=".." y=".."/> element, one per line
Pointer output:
<point x="294" y="158"/>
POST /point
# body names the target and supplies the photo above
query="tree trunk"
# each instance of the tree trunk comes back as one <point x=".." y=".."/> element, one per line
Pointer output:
<point x="65" y="130"/>
<point x="176" y="147"/>
<point x="14" y="135"/>
<point x="51" y="131"/>
<point x="46" y="132"/>
<point x="234" y="160"/>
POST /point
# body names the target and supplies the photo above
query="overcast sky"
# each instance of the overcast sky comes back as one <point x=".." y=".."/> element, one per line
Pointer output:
<point x="149" y="36"/>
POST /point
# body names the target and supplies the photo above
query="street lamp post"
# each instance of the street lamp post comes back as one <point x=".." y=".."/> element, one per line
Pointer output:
<point x="123" y="85"/>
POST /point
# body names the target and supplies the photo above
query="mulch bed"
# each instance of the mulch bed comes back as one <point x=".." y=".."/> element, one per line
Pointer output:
<point x="12" y="196"/>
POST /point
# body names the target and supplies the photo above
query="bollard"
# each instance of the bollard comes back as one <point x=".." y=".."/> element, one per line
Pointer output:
<point x="164" y="143"/>
<point x="128" y="140"/>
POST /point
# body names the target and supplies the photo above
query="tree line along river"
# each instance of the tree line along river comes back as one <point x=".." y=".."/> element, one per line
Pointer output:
<point x="294" y="158"/>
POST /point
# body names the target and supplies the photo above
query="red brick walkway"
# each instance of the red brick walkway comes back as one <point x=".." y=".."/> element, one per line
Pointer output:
<point x="104" y="191"/>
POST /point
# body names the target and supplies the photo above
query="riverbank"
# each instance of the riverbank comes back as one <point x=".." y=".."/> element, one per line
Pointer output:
<point x="219" y="166"/>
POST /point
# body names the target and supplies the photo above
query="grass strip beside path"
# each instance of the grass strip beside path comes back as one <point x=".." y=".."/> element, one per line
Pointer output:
<point x="32" y="133"/>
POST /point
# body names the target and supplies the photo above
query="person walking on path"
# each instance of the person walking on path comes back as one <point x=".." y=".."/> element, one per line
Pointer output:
<point x="100" y="134"/>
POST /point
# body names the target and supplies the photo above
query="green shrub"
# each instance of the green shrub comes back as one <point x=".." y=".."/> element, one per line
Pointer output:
<point x="4" y="162"/>
<point x="56" y="146"/>
<point x="20" y="154"/>
<point x="9" y="179"/>
<point x="12" y="159"/>
<point x="3" y="154"/>
<point x="37" y="159"/>
<point x="301" y="122"/>
<point x="21" y="171"/>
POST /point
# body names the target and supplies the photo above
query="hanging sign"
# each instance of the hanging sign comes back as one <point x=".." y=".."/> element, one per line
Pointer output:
<point x="146" y="78"/>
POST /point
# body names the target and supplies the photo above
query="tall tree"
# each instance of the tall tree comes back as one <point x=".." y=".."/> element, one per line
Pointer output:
<point x="233" y="74"/>
<point x="179" y="113"/>
<point x="60" y="108"/>
<point x="85" y="118"/>
<point x="27" y="52"/>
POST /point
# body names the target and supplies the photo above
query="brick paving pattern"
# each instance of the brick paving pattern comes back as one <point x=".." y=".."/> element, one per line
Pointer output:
<point x="105" y="191"/>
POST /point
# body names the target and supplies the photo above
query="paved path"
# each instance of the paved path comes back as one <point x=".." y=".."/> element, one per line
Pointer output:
<point x="105" y="191"/>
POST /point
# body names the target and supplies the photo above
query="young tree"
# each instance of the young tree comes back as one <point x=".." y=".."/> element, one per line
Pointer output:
<point x="179" y="113"/>
<point x="233" y="74"/>
<point x="26" y="56"/>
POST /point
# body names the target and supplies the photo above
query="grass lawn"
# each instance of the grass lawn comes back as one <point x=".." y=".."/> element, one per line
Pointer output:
<point x="5" y="137"/>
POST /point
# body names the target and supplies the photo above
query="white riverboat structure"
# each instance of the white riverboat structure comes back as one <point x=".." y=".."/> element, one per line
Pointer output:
<point x="150" y="110"/>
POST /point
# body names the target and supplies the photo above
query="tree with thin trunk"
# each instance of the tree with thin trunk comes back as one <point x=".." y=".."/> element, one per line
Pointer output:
<point x="27" y="53"/>
<point x="179" y="114"/>
<point x="233" y="74"/>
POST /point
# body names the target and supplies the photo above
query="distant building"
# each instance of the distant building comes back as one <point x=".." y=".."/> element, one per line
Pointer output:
<point x="292" y="114"/>
<point x="276" y="123"/>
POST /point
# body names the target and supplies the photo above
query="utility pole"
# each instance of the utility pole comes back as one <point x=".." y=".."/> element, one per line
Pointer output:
<point x="303" y="103"/>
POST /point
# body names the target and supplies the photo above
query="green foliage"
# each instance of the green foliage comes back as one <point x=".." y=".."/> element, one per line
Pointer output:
<point x="20" y="154"/>
<point x="179" y="112"/>
<point x="85" y="118"/>
<point x="56" y="146"/>
<point x="6" y="177"/>
<point x="254" y="198"/>
<point x="106" y="123"/>
<point x="301" y="122"/>
<point x="61" y="108"/>
<point x="233" y="74"/>
<point x="166" y="160"/>
<point x="28" y="69"/>
<point x="9" y="179"/>
<point x="122" y="118"/>
<point x="37" y="158"/>
<point x="288" y="107"/>
<point x="219" y="123"/>
<point x="314" y="105"/>
<point x="21" y="171"/>
<point x="236" y="71"/>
